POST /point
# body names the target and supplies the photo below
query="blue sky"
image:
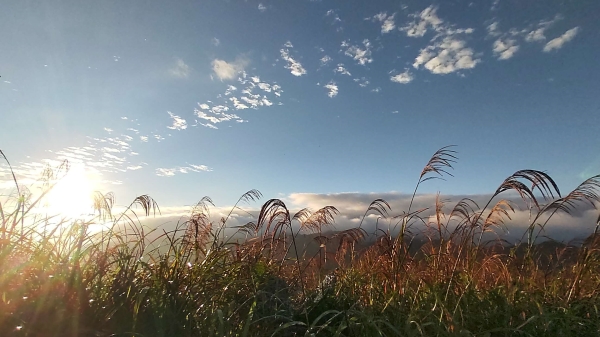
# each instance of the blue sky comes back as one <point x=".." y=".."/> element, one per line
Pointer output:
<point x="185" y="99"/>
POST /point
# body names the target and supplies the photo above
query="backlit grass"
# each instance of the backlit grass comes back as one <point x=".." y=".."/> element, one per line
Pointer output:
<point x="292" y="276"/>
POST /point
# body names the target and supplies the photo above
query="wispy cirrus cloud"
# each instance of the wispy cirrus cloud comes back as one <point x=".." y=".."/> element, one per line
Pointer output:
<point x="180" y="69"/>
<point x="100" y="157"/>
<point x="134" y="168"/>
<point x="333" y="14"/>
<point x="169" y="172"/>
<point x="229" y="70"/>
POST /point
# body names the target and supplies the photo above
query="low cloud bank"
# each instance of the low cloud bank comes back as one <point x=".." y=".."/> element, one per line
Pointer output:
<point x="573" y="227"/>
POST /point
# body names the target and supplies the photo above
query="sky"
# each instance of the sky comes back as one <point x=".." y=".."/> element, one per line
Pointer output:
<point x="299" y="99"/>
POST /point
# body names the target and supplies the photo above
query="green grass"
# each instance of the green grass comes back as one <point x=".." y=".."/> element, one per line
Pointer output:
<point x="439" y="278"/>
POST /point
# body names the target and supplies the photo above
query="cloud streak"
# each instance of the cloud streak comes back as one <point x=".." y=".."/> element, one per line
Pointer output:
<point x="170" y="172"/>
<point x="292" y="65"/>
<point x="559" y="42"/>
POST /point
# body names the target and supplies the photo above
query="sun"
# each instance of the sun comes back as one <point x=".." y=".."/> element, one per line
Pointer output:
<point x="72" y="196"/>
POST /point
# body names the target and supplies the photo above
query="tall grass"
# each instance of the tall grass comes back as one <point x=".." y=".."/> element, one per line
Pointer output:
<point x="292" y="275"/>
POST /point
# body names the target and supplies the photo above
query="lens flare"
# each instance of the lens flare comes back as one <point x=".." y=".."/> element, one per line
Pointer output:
<point x="72" y="195"/>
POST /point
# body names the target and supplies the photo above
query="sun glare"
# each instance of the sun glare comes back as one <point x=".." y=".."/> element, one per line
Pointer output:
<point x="72" y="197"/>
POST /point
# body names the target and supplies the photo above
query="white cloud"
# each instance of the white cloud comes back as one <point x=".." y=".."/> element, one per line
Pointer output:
<point x="362" y="82"/>
<point x="144" y="139"/>
<point x="210" y="126"/>
<point x="294" y="66"/>
<point x="262" y="7"/>
<point x="378" y="17"/>
<point x="333" y="89"/>
<point x="264" y="86"/>
<point x="134" y="168"/>
<point x="164" y="172"/>
<point x="169" y="172"/>
<point x="200" y="168"/>
<point x="178" y="122"/>
<point x="446" y="56"/>
<point x="505" y="48"/>
<point x="505" y="43"/>
<point x="535" y="35"/>
<point x="538" y="34"/>
<point x="362" y="56"/>
<point x="403" y="78"/>
<point x="447" y="52"/>
<point x="110" y="149"/>
<point x="251" y="92"/>
<point x="341" y="70"/>
<point x="237" y="104"/>
<point x="558" y="42"/>
<point x="388" y="23"/>
<point x="422" y="22"/>
<point x="228" y="71"/>
<point x="332" y="13"/>
<point x="180" y="69"/>
<point x="215" y="42"/>
<point x="493" y="29"/>
<point x="325" y="60"/>
<point x="352" y="207"/>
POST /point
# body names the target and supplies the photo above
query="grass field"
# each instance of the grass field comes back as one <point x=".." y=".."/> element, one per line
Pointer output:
<point x="295" y="277"/>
